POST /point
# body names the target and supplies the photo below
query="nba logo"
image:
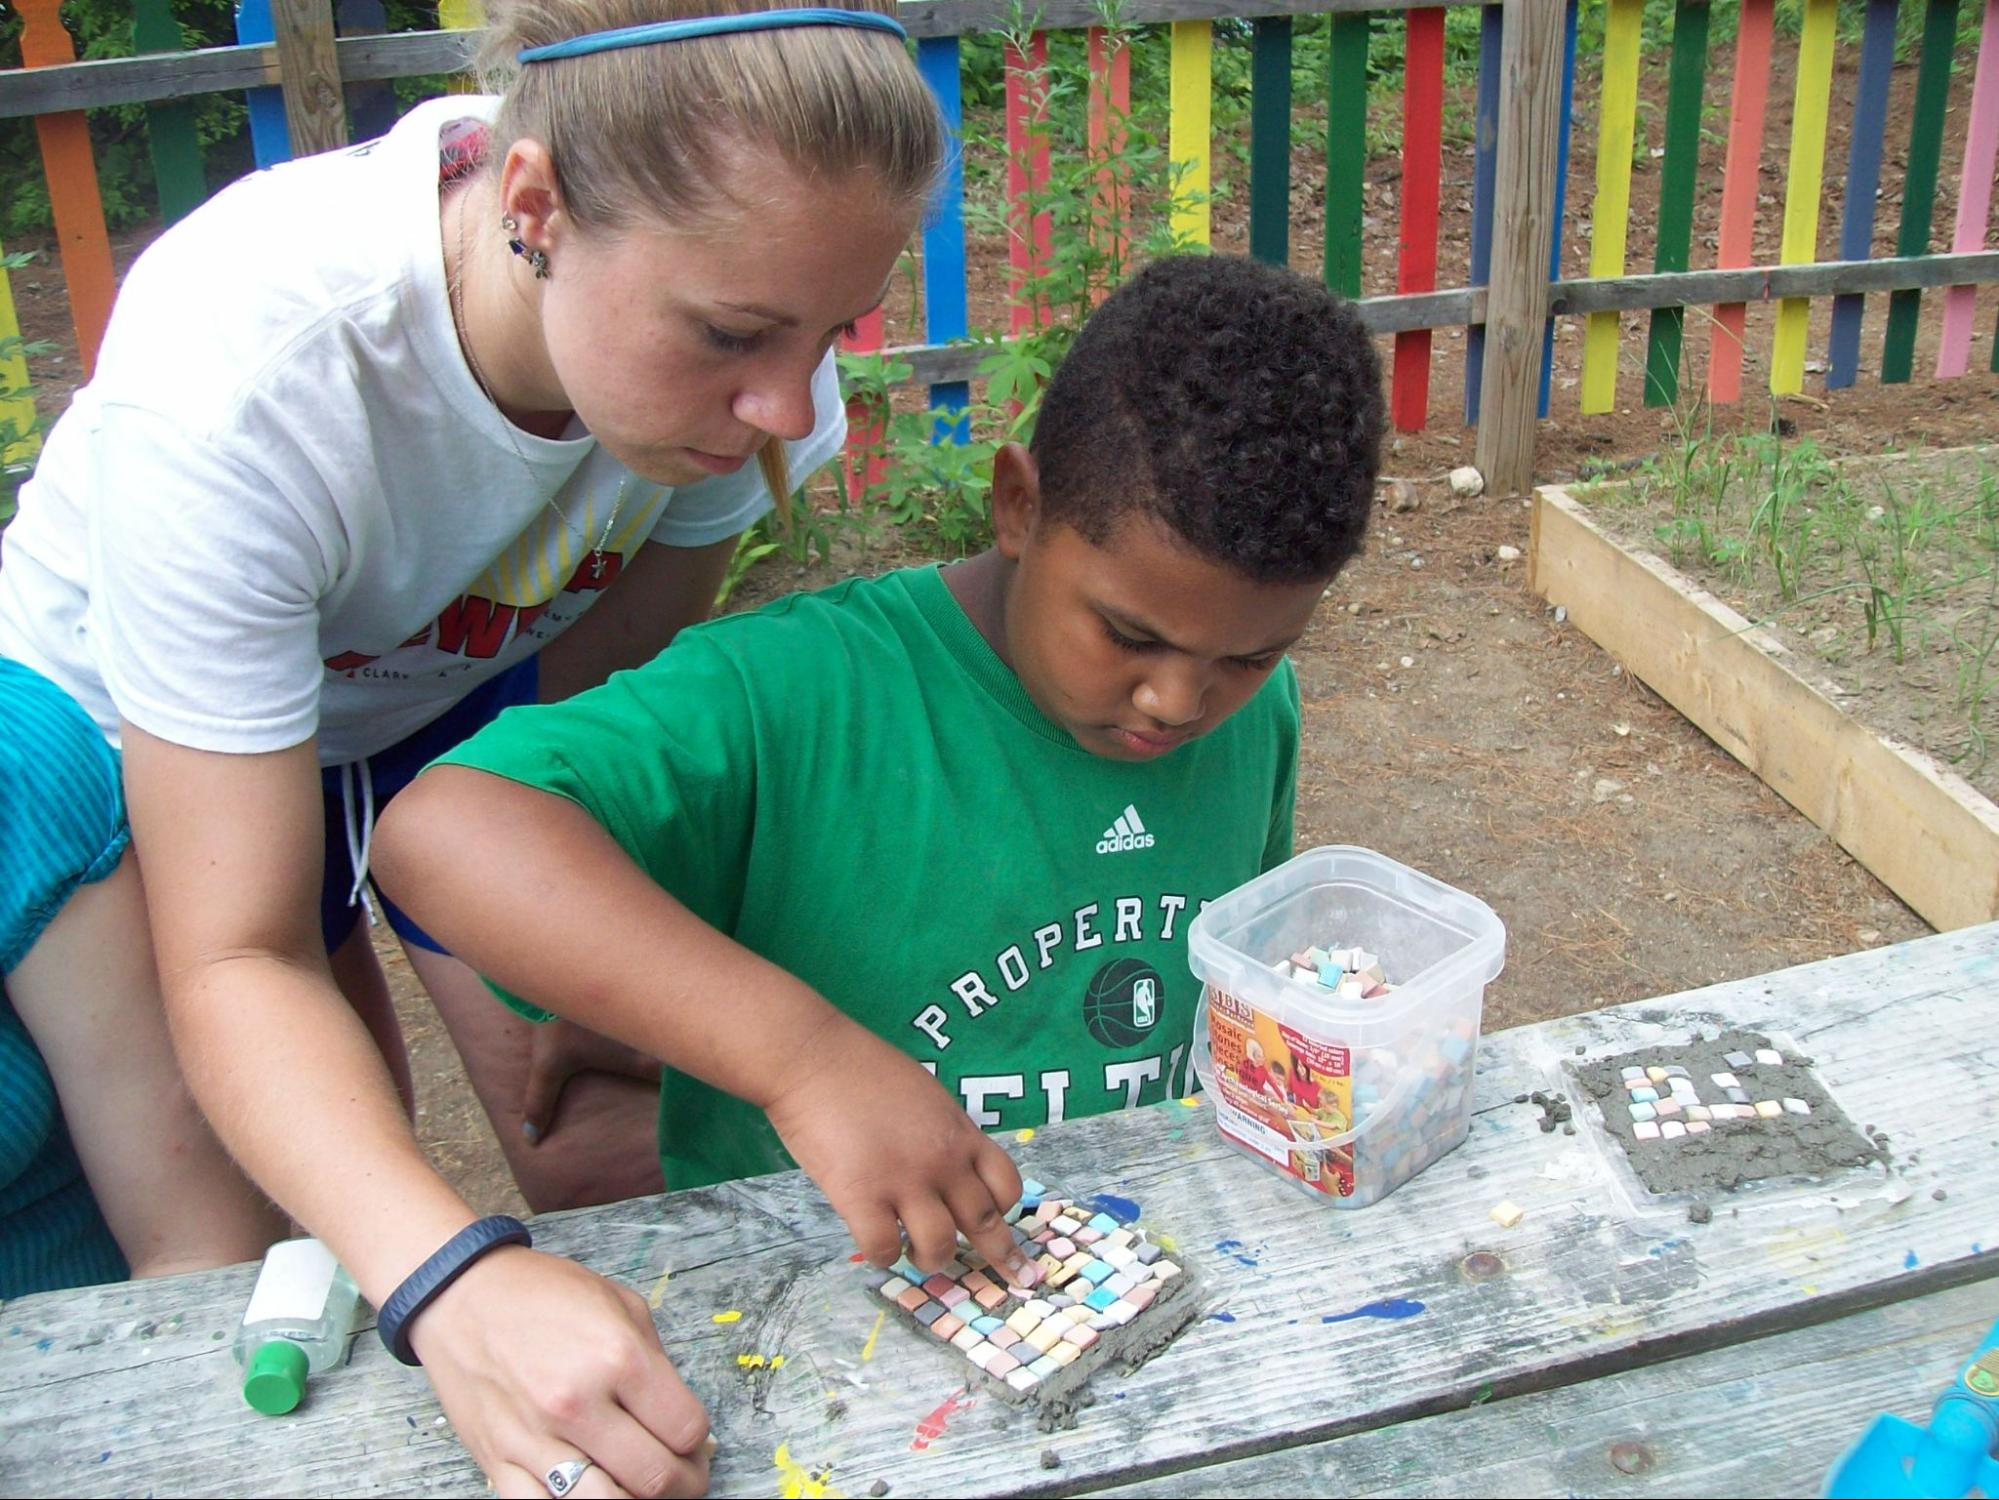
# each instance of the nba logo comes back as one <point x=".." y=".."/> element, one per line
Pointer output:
<point x="1144" y="1003"/>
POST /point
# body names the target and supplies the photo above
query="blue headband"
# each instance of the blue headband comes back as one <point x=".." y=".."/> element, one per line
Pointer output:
<point x="680" y="31"/>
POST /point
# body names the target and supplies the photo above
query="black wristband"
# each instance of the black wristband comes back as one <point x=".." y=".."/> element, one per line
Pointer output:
<point x="437" y="1273"/>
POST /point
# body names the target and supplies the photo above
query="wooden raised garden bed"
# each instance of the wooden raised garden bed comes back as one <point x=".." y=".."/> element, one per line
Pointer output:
<point x="1926" y="832"/>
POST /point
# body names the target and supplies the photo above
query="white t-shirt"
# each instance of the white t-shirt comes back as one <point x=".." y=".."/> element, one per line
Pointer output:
<point x="283" y="506"/>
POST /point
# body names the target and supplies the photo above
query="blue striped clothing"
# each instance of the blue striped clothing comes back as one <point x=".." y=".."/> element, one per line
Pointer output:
<point x="62" y="825"/>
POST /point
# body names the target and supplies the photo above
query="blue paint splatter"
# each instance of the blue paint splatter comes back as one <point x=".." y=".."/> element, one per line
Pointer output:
<point x="1124" y="1210"/>
<point x="104" y="1455"/>
<point x="1660" y="1250"/>
<point x="1976" y="1248"/>
<point x="45" y="1344"/>
<point x="1233" y="1249"/>
<point x="1221" y="1317"/>
<point x="1387" y="1307"/>
<point x="1909" y="1261"/>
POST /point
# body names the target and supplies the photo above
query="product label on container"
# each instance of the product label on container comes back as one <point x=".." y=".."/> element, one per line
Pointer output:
<point x="294" y="1283"/>
<point x="1299" y="1089"/>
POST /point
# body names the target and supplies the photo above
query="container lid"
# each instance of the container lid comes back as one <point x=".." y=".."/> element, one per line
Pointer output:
<point x="274" y="1381"/>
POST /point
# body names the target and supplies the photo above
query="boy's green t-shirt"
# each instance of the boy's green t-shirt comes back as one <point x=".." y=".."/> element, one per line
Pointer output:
<point x="852" y="784"/>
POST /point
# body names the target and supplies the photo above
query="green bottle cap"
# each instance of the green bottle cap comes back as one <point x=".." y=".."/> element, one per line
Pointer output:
<point x="274" y="1382"/>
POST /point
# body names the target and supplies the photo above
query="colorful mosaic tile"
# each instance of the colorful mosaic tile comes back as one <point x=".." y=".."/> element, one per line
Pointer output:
<point x="1665" y="1103"/>
<point x="1112" y="1296"/>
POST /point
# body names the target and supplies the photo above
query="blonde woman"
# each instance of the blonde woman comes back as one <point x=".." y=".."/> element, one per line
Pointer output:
<point x="378" y="443"/>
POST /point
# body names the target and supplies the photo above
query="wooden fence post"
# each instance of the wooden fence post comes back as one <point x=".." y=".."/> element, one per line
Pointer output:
<point x="170" y="134"/>
<point x="72" y="176"/>
<point x="371" y="104"/>
<point x="1109" y="108"/>
<point x="1189" y="142"/>
<point x="1523" y="233"/>
<point x="1919" y="182"/>
<point x="461" y="15"/>
<point x="1346" y="148"/>
<point x="315" y="114"/>
<point x="1029" y="222"/>
<point x="944" y="288"/>
<point x="270" y="138"/>
<point x="1974" y="195"/>
<point x="1270" y="140"/>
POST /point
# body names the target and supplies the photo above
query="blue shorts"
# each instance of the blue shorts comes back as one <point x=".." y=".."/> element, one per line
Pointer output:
<point x="62" y="806"/>
<point x="388" y="772"/>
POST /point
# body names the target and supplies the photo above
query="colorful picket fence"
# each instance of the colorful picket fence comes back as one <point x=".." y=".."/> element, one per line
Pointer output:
<point x="1718" y="296"/>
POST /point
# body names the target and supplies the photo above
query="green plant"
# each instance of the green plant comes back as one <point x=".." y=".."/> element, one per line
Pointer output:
<point x="18" y="438"/>
<point x="752" y="547"/>
<point x="934" y="464"/>
<point x="1898" y="555"/>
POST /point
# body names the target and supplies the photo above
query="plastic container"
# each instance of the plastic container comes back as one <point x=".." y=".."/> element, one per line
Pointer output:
<point x="1386" y="1084"/>
<point x="297" y="1324"/>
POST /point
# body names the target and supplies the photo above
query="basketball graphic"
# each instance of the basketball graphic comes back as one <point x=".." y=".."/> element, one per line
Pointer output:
<point x="1123" y="1002"/>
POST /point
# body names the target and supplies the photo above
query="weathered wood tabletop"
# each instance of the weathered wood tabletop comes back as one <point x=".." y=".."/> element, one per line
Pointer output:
<point x="1595" y="1347"/>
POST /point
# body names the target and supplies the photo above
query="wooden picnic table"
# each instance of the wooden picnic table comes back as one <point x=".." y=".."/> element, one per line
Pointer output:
<point x="1593" y="1348"/>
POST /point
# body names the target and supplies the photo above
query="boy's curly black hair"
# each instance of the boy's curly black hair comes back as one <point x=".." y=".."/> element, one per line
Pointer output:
<point x="1239" y="402"/>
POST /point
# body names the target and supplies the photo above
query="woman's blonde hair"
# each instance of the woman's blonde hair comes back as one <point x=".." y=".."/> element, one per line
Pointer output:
<point x="645" y="133"/>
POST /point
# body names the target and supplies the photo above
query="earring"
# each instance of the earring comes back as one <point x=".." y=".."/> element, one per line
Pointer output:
<point x="537" y="259"/>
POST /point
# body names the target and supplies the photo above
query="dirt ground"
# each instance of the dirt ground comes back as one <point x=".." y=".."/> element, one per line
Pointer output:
<point x="1450" y="721"/>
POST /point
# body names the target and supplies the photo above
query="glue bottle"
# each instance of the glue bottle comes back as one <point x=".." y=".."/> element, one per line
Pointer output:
<point x="296" y="1325"/>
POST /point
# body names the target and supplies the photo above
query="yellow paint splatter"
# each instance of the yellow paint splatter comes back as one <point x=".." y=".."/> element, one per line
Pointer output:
<point x="760" y="1361"/>
<point x="731" y="1316"/>
<point x="868" y="1349"/>
<point x="1167" y="1243"/>
<point x="796" y="1482"/>
<point x="1799" y="1251"/>
<point x="1609" y="1323"/>
<point x="1808" y="1289"/>
<point x="1190" y="1102"/>
<point x="658" y="1293"/>
<point x="1024" y="1136"/>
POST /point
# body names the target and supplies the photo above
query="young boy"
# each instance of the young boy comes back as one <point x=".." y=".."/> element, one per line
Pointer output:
<point x="913" y="857"/>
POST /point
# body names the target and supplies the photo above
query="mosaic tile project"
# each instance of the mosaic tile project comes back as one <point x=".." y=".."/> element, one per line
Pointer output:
<point x="1108" y="1292"/>
<point x="1722" y="1114"/>
<point x="1284" y="1090"/>
<point x="1660" y="1096"/>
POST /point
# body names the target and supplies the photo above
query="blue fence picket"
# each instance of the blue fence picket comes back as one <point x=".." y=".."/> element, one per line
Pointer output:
<point x="1485" y="157"/>
<point x="944" y="309"/>
<point x="270" y="136"/>
<point x="1561" y="197"/>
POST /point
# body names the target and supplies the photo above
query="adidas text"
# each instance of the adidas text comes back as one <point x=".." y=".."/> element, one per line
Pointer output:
<point x="1128" y="832"/>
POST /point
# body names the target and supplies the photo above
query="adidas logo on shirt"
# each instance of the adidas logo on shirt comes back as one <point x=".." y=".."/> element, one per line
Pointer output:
<point x="1128" y="832"/>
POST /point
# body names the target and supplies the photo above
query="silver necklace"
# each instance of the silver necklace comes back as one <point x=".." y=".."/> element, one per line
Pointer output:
<point x="461" y="325"/>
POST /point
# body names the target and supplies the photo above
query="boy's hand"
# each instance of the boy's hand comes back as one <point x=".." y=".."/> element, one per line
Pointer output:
<point x="888" y="1146"/>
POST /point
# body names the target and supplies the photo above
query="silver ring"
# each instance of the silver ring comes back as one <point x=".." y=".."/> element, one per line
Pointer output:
<point x="564" y="1476"/>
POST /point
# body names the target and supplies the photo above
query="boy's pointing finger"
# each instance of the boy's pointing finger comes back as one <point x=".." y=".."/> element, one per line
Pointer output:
<point x="979" y="1205"/>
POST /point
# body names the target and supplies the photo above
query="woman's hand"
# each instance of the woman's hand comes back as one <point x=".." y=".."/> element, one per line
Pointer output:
<point x="888" y="1146"/>
<point x="562" y="1049"/>
<point x="539" y="1361"/>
